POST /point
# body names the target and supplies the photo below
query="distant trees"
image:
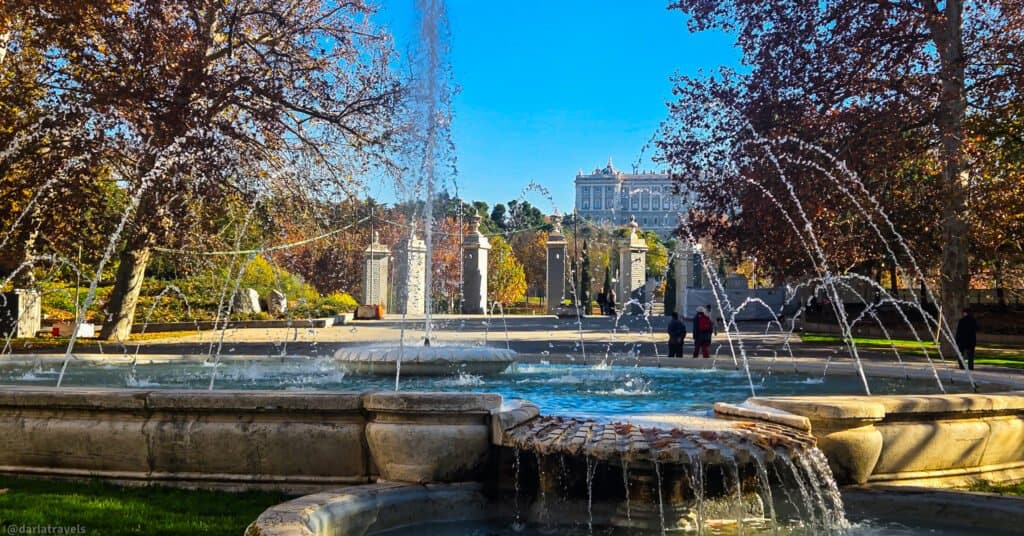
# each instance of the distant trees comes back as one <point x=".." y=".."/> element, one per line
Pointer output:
<point x="517" y="217"/>
<point x="334" y="263"/>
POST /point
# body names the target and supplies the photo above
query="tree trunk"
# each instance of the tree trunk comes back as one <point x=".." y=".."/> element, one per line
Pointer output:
<point x="125" y="296"/>
<point x="1000" y="283"/>
<point x="948" y="35"/>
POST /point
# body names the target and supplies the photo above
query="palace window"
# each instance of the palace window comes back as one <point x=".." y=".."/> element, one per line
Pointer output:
<point x="585" y="202"/>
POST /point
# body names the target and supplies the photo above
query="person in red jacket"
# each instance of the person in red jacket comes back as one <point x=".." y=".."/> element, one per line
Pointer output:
<point x="702" y="330"/>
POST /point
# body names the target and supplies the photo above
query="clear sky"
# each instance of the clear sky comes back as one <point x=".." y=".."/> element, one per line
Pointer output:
<point x="549" y="87"/>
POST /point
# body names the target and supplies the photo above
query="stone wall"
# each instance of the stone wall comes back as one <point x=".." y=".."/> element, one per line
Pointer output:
<point x="925" y="440"/>
<point x="226" y="439"/>
<point x="761" y="303"/>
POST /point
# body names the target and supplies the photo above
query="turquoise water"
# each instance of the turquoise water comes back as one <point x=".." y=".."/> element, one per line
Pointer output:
<point x="561" y="389"/>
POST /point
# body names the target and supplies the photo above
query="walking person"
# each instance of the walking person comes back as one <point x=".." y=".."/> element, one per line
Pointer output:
<point x="967" y="338"/>
<point x="702" y="329"/>
<point x="676" y="336"/>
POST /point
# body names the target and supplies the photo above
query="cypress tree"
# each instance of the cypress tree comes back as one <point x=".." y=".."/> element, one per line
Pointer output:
<point x="608" y="300"/>
<point x="585" y="278"/>
<point x="670" y="288"/>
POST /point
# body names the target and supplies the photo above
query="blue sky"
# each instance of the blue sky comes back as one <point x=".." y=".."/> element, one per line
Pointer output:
<point x="549" y="87"/>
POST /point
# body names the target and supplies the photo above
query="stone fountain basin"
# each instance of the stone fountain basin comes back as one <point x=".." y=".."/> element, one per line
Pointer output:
<point x="440" y="360"/>
<point x="372" y="508"/>
<point x="386" y="506"/>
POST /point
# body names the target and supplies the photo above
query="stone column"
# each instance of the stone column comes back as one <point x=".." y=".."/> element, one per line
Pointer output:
<point x="557" y="252"/>
<point x="411" y="276"/>
<point x="20" y="314"/>
<point x="632" y="264"/>
<point x="474" y="270"/>
<point x="375" y="276"/>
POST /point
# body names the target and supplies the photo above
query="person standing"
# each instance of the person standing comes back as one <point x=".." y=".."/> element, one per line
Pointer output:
<point x="967" y="338"/>
<point x="676" y="336"/>
<point x="702" y="329"/>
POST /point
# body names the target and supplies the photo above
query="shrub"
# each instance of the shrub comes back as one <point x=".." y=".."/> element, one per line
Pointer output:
<point x="334" y="303"/>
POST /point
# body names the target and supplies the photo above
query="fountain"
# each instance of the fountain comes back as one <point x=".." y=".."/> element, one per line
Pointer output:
<point x="429" y="358"/>
<point x="425" y="360"/>
<point x="650" y="444"/>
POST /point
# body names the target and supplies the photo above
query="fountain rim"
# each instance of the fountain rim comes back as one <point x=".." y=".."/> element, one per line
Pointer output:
<point x="1000" y="378"/>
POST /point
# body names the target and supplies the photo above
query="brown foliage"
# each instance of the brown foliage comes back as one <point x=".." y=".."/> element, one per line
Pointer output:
<point x="878" y="84"/>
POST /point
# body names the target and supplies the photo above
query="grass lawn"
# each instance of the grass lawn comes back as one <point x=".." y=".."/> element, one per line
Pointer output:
<point x="101" y="508"/>
<point x="1003" y="356"/>
<point x="1009" y="489"/>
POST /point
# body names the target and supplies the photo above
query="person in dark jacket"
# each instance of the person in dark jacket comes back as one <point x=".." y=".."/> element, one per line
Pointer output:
<point x="702" y="329"/>
<point x="676" y="336"/>
<point x="967" y="338"/>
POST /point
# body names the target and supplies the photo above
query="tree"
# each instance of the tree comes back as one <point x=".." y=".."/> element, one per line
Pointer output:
<point x="531" y="250"/>
<point x="335" y="263"/>
<point x="201" y="102"/>
<point x="447" y="259"/>
<point x="506" y="281"/>
<point x="608" y="287"/>
<point x="657" y="255"/>
<point x="522" y="216"/>
<point x="498" y="216"/>
<point x="49" y="203"/>
<point x="670" y="288"/>
<point x="997" y="198"/>
<point x="887" y="86"/>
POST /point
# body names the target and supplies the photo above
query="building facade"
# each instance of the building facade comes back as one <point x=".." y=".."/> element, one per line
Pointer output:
<point x="611" y="196"/>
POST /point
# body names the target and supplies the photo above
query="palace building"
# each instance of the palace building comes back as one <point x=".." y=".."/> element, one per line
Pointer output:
<point x="611" y="196"/>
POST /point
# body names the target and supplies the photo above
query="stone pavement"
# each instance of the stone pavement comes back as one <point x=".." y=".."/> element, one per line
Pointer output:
<point x="541" y="336"/>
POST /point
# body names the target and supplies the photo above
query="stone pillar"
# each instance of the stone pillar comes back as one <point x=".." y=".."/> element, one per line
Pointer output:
<point x="557" y="252"/>
<point x="20" y="314"/>
<point x="411" y="276"/>
<point x="375" y="276"/>
<point x="684" y="274"/>
<point x="632" y="264"/>
<point x="474" y="270"/>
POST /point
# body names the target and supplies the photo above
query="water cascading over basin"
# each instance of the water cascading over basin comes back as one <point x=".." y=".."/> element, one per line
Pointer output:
<point x="684" y="474"/>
